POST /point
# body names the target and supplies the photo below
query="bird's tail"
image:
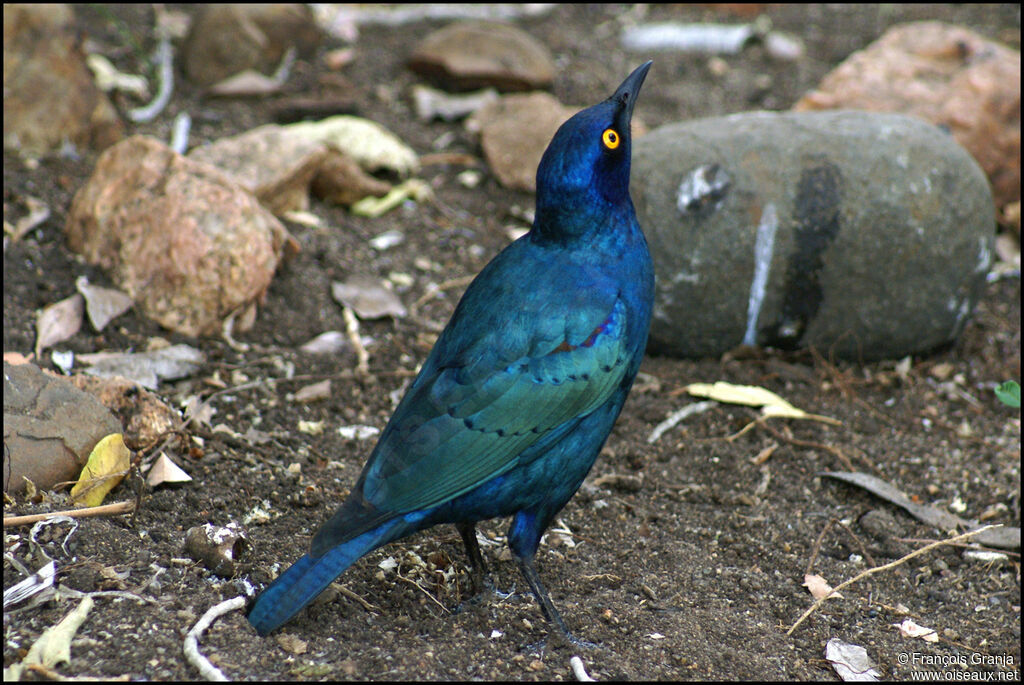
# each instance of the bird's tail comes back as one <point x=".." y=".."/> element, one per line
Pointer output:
<point x="309" y="576"/>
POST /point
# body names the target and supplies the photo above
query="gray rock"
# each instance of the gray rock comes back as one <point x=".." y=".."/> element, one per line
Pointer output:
<point x="863" y="235"/>
<point x="50" y="427"/>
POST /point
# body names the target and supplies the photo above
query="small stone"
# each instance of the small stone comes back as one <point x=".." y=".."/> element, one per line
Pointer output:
<point x="515" y="131"/>
<point x="469" y="55"/>
<point x="50" y="97"/>
<point x="226" y="39"/>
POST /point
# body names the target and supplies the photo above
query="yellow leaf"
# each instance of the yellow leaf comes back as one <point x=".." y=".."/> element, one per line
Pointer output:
<point x="753" y="396"/>
<point x="106" y="466"/>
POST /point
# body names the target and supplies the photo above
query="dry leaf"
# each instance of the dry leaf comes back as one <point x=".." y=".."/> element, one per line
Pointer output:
<point x="146" y="368"/>
<point x="54" y="645"/>
<point x="1004" y="537"/>
<point x="314" y="392"/>
<point x="358" y="432"/>
<point x="245" y="83"/>
<point x="910" y="629"/>
<point x="851" y="662"/>
<point x="368" y="298"/>
<point x="165" y="471"/>
<point x="754" y="396"/>
<point x="38" y="212"/>
<point x="102" y="304"/>
<point x="330" y="342"/>
<point x="376" y="206"/>
<point x="107" y="466"/>
<point x="108" y="78"/>
<point x="292" y="644"/>
<point x="311" y="427"/>
<point x="370" y="144"/>
<point x="819" y="587"/>
<point x="34" y="584"/>
<point x="59" y="321"/>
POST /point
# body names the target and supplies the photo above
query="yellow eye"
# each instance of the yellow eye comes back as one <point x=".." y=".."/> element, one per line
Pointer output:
<point x="610" y="138"/>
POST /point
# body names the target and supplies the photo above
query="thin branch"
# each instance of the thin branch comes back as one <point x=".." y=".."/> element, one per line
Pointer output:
<point x="102" y="510"/>
<point x="886" y="567"/>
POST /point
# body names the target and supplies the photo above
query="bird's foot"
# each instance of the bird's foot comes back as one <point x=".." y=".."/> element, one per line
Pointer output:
<point x="557" y="638"/>
<point x="481" y="592"/>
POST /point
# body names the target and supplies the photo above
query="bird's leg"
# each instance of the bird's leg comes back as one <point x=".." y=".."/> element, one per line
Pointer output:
<point x="546" y="606"/>
<point x="478" y="575"/>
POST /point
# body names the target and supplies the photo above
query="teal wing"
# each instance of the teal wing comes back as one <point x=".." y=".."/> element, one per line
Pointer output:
<point x="465" y="424"/>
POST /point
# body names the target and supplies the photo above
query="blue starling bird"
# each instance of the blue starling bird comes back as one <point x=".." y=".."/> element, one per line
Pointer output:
<point x="513" y="404"/>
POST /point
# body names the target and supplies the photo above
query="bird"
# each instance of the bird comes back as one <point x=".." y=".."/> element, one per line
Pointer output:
<point x="522" y="387"/>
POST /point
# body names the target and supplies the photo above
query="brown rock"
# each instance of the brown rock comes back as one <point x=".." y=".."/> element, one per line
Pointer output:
<point x="185" y="242"/>
<point x="469" y="55"/>
<point x="226" y="39"/>
<point x="50" y="427"/>
<point x="49" y="93"/>
<point x="274" y="165"/>
<point x="948" y="75"/>
<point x="146" y="419"/>
<point x="515" y="131"/>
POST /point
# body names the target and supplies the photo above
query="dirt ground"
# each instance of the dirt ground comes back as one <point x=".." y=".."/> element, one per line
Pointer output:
<point x="686" y="559"/>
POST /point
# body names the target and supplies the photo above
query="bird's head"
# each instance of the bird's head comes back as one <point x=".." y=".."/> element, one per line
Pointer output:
<point x="584" y="173"/>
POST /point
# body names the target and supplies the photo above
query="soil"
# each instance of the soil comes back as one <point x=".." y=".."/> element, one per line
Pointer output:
<point x="685" y="558"/>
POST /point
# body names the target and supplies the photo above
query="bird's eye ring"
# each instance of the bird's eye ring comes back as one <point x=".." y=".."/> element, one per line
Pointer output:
<point x="611" y="138"/>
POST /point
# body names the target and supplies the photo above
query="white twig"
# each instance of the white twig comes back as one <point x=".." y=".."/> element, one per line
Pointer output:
<point x="180" y="131"/>
<point x="579" y="671"/>
<point x="352" y="329"/>
<point x="165" y="76"/>
<point x="676" y="417"/>
<point x="206" y="669"/>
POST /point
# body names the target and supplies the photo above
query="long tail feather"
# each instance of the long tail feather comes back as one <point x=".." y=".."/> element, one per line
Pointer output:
<point x="309" y="576"/>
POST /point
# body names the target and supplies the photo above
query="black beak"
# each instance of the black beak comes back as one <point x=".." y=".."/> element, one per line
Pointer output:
<point x="627" y="93"/>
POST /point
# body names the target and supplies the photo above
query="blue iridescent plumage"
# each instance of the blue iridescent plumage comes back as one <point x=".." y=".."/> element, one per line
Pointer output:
<point x="514" y="402"/>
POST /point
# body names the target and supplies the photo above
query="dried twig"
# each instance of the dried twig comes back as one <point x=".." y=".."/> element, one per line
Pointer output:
<point x="191" y="647"/>
<point x="817" y="546"/>
<point x="860" y="543"/>
<point x="424" y="591"/>
<point x="886" y="567"/>
<point x="362" y="356"/>
<point x="102" y="510"/>
<point x="372" y="608"/>
<point x="838" y="453"/>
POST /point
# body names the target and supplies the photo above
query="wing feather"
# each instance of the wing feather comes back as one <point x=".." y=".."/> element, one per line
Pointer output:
<point x="462" y="427"/>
